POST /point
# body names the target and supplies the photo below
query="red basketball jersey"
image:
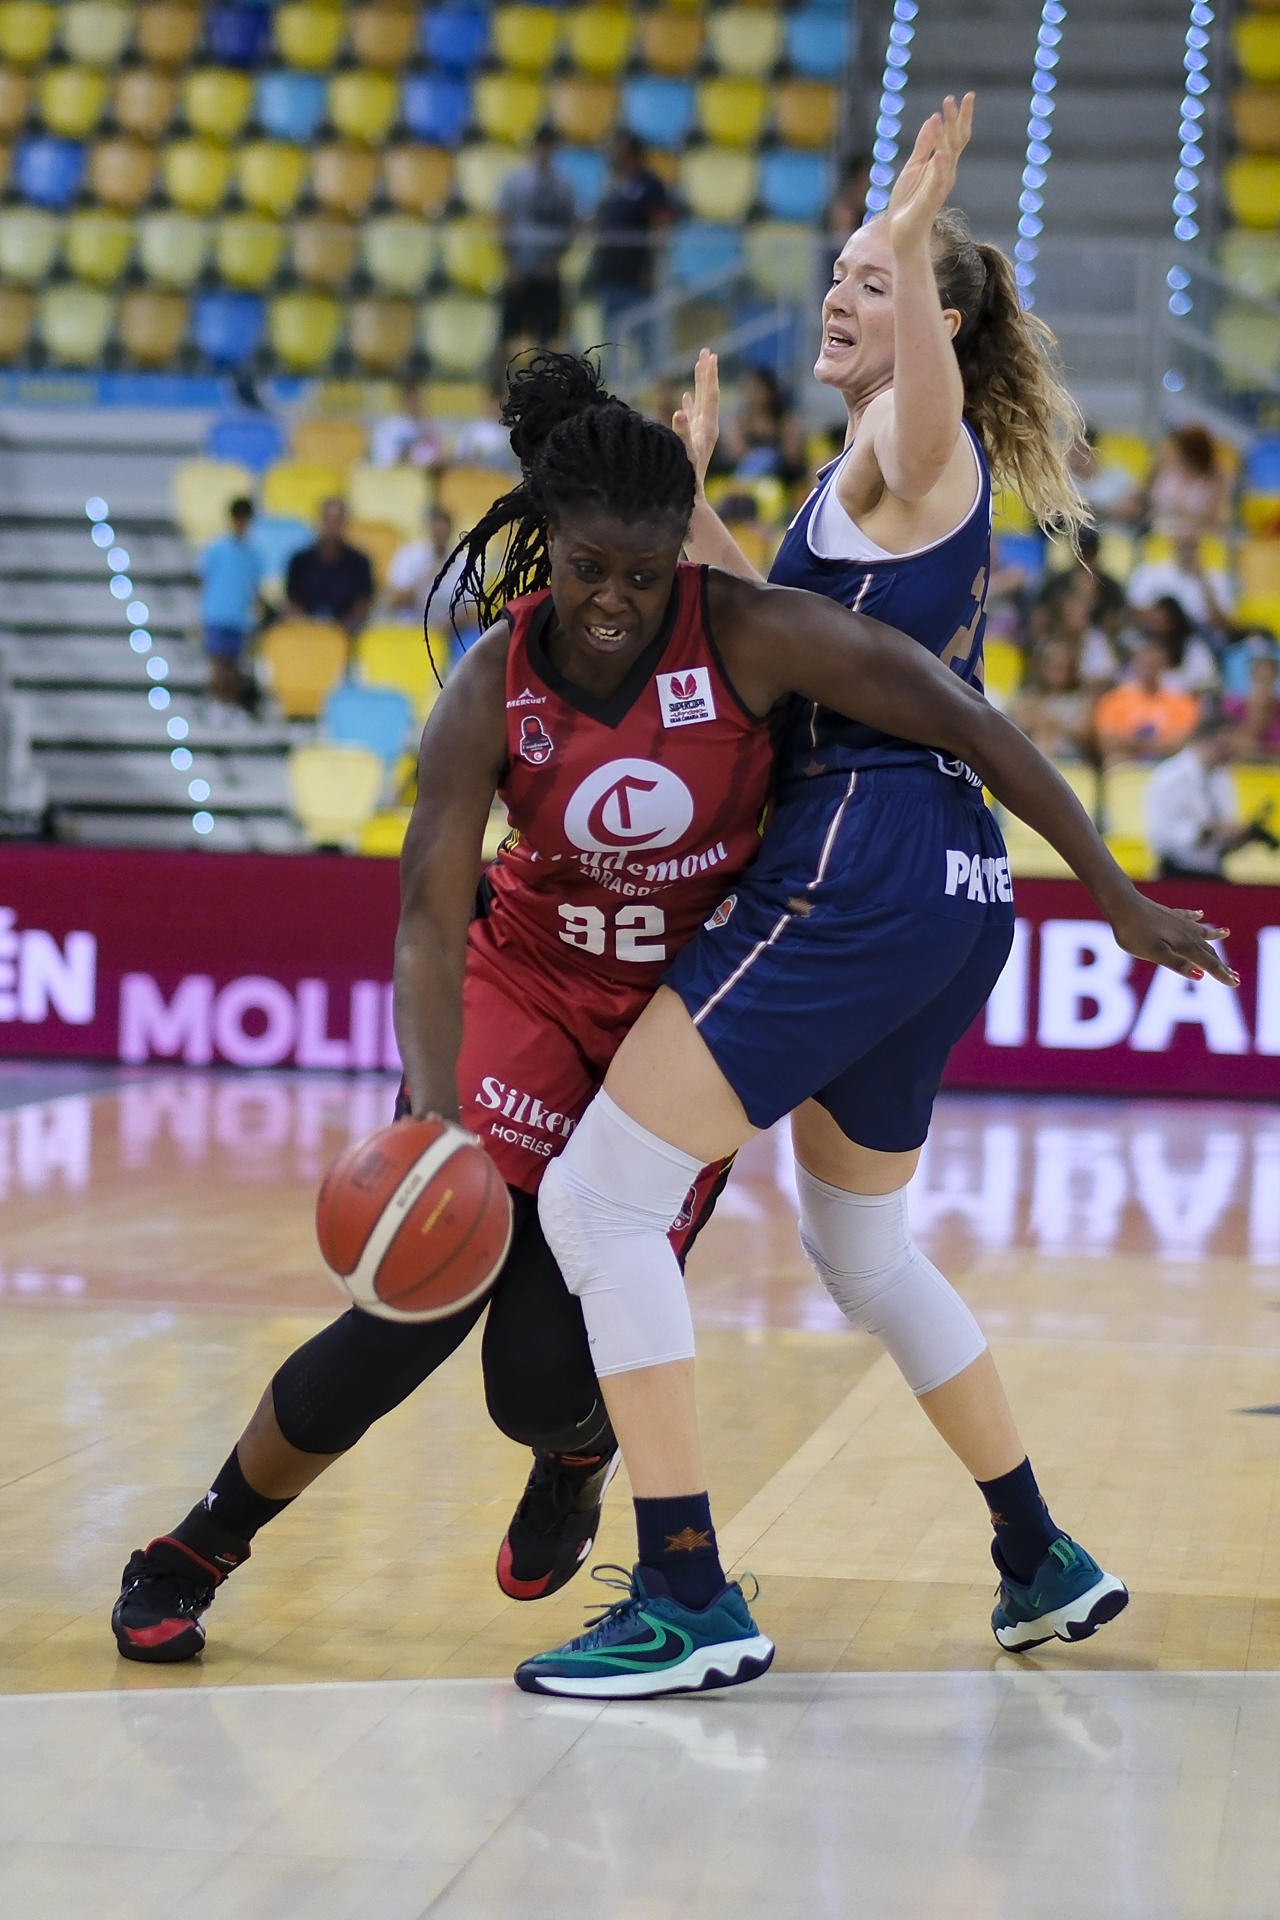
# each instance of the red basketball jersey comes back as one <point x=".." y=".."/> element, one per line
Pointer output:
<point x="631" y="816"/>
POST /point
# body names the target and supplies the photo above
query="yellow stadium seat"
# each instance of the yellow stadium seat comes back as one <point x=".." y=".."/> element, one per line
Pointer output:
<point x="481" y="170"/>
<point x="382" y="837"/>
<point x="297" y="489"/>
<point x="399" y="253"/>
<point x="598" y="39"/>
<point x="17" y="312"/>
<point x="172" y="247"/>
<point x="144" y="102"/>
<point x="380" y="335"/>
<point x="1252" y="182"/>
<point x="418" y="178"/>
<point x="196" y="174"/>
<point x="323" y="250"/>
<point x="152" y="326"/>
<point x="717" y="183"/>
<point x="309" y="36"/>
<point x="343" y="178"/>
<point x="335" y="790"/>
<point x="202" y="492"/>
<point x="329" y="443"/>
<point x="363" y="106"/>
<point x="1123" y="789"/>
<point x="804" y="113"/>
<point x="1249" y="340"/>
<point x="508" y="106"/>
<point x="1252" y="260"/>
<point x="15" y="99"/>
<point x="395" y="656"/>
<point x="470" y="254"/>
<point x="99" y="245"/>
<point x="304" y="661"/>
<point x="583" y="111"/>
<point x="779" y="255"/>
<point x="1258" y="568"/>
<point x="375" y="537"/>
<point x="270" y="175"/>
<point x="1256" y="788"/>
<point x="29" y="243"/>
<point x="459" y="333"/>
<point x="525" y="38"/>
<point x="671" y="42"/>
<point x="247" y="250"/>
<point x="96" y="31"/>
<point x="467" y="493"/>
<point x="6" y="160"/>
<point x="1255" y="118"/>
<point x="74" y="323"/>
<point x="1127" y="450"/>
<point x="1256" y="40"/>
<point x="1001" y="670"/>
<point x="122" y="173"/>
<point x="1030" y="857"/>
<point x="384" y="36"/>
<point x="732" y="111"/>
<point x="216" y="101"/>
<point x="744" y="40"/>
<point x="69" y="100"/>
<point x="167" y="32"/>
<point x="397" y="496"/>
<point x="26" y="32"/>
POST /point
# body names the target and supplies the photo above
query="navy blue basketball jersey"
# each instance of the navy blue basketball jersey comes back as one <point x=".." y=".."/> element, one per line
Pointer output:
<point x="938" y="595"/>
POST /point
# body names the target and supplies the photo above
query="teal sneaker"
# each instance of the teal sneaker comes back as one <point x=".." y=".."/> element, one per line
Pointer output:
<point x="1068" y="1595"/>
<point x="649" y="1644"/>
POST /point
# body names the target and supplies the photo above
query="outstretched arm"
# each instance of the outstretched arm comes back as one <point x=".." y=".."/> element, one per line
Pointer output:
<point x="776" y="640"/>
<point x="459" y="766"/>
<point x="697" y="421"/>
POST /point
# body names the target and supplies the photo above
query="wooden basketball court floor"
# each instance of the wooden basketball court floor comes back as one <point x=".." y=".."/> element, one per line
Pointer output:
<point x="351" y="1744"/>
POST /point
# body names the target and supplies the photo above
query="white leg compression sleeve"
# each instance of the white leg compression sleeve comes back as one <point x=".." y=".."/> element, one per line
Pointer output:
<point x="606" y="1206"/>
<point x="862" y="1248"/>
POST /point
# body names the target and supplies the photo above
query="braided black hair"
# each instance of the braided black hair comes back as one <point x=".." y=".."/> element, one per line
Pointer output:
<point x="579" y="446"/>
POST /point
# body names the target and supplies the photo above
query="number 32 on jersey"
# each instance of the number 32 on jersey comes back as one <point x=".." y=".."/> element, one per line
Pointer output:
<point x="637" y="932"/>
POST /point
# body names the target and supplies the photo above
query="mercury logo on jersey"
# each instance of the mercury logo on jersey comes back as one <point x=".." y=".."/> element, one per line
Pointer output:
<point x="628" y="804"/>
<point x="528" y="699"/>
<point x="686" y="698"/>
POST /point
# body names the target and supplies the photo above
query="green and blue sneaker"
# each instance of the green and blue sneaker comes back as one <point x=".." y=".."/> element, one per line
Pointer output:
<point x="649" y="1644"/>
<point x="1068" y="1595"/>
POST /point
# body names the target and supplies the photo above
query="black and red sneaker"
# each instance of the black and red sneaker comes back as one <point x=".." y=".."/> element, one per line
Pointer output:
<point x="554" y="1528"/>
<point x="164" y="1591"/>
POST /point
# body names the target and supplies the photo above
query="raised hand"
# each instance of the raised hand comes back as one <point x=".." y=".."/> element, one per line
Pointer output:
<point x="1173" y="937"/>
<point x="921" y="188"/>
<point x="697" y="419"/>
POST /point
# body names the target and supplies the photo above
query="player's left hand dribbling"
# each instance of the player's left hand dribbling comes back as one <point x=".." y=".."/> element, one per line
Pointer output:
<point x="1173" y="937"/>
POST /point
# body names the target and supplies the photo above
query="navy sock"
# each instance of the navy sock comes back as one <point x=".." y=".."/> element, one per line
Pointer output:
<point x="229" y="1515"/>
<point x="678" y="1541"/>
<point x="1024" y="1527"/>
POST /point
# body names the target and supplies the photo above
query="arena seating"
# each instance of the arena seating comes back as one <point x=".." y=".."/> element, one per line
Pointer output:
<point x="224" y="152"/>
<point x="1249" y="250"/>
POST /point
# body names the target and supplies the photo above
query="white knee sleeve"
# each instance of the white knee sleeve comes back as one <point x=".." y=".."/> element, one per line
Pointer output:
<point x="607" y="1205"/>
<point x="862" y="1248"/>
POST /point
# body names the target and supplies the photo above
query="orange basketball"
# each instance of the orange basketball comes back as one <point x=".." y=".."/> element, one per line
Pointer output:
<point x="414" y="1221"/>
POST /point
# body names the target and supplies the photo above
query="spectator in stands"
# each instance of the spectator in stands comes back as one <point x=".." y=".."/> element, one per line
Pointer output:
<point x="413" y="570"/>
<point x="1190" y="806"/>
<point x="1054" y="708"/>
<point x="1189" y="491"/>
<point x="406" y="438"/>
<point x="484" y="441"/>
<point x="634" y="209"/>
<point x="1256" y="713"/>
<point x="1063" y="611"/>
<point x="330" y="580"/>
<point x="847" y="209"/>
<point x="1114" y="496"/>
<point x="1143" y="718"/>
<point x="230" y="576"/>
<point x="764" y="437"/>
<point x="1236" y="664"/>
<point x="535" y="224"/>
<point x="1192" y="665"/>
<point x="1203" y="592"/>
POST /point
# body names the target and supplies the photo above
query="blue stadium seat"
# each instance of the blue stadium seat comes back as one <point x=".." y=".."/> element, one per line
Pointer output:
<point x="275" y="538"/>
<point x="585" y="169"/>
<point x="455" y="37"/>
<point x="254" y="439"/>
<point x="375" y="717"/>
<point x="237" y="36"/>
<point x="47" y="172"/>
<point x="658" y="111"/>
<point x="436" y="107"/>
<point x="701" y="248"/>
<point x="228" y="327"/>
<point x="794" y="186"/>
<point x="818" y="44"/>
<point x="290" y="106"/>
<point x="1262" y="467"/>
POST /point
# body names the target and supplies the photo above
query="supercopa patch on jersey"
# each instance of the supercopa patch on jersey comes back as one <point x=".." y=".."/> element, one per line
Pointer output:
<point x="536" y="744"/>
<point x="686" y="698"/>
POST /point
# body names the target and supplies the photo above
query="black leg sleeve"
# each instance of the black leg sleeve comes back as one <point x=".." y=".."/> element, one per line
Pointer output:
<point x="539" y="1382"/>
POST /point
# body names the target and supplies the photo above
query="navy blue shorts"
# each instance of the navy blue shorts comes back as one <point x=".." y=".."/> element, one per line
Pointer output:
<point x="855" y="952"/>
